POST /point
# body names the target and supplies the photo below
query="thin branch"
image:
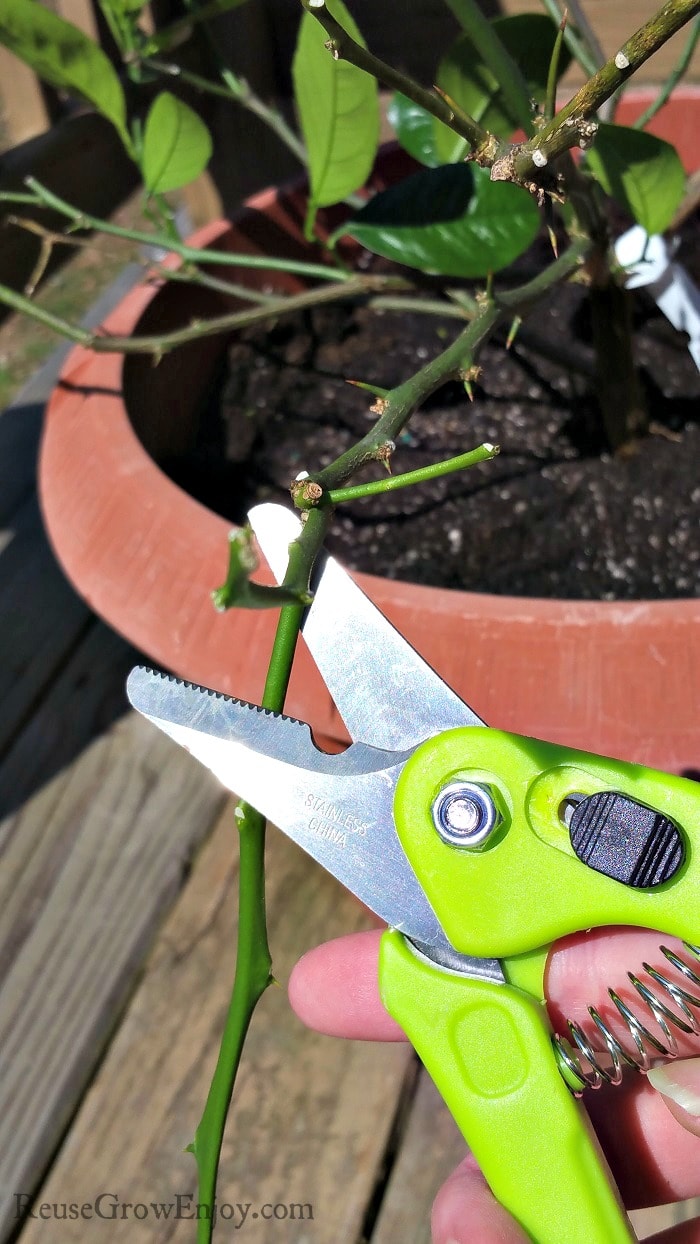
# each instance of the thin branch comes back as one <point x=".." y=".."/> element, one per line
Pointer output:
<point x="550" y="103"/>
<point x="497" y="58"/>
<point x="193" y="275"/>
<point x="483" y="453"/>
<point x="424" y="306"/>
<point x="564" y="130"/>
<point x="576" y="44"/>
<point x="456" y="361"/>
<point x="342" y="46"/>
<point x="160" y="344"/>
<point x="42" y="197"/>
<point x="234" y="90"/>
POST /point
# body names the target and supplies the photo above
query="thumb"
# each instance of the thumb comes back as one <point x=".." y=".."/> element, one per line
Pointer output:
<point x="679" y="1085"/>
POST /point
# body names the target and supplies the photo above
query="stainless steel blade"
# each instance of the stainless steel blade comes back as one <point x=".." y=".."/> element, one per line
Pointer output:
<point x="339" y="808"/>
<point x="385" y="692"/>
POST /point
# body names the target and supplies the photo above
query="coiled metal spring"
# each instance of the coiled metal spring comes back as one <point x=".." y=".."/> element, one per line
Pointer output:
<point x="582" y="1065"/>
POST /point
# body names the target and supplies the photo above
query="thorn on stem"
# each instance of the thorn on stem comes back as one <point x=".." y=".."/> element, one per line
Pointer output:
<point x="383" y="454"/>
<point x="513" y="331"/>
<point x="469" y="376"/>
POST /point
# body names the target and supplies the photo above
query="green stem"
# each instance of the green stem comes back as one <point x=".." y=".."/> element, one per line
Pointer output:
<point x="344" y="47"/>
<point x="159" y="344"/>
<point x="271" y="116"/>
<point x="253" y="971"/>
<point x="425" y="306"/>
<point x="562" y="132"/>
<point x="236" y="90"/>
<point x="400" y="402"/>
<point x="673" y="78"/>
<point x="550" y="103"/>
<point x="483" y="453"/>
<point x="492" y="51"/>
<point x="42" y="197"/>
<point x="191" y="274"/>
<point x="576" y="36"/>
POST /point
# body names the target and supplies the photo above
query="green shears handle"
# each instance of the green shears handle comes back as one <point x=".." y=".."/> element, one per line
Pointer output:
<point x="488" y="1046"/>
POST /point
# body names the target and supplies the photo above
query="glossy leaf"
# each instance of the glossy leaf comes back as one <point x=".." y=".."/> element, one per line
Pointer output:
<point x="452" y="220"/>
<point x="642" y="172"/>
<point x="176" y="145"/>
<point x="416" y="130"/>
<point x="64" y="57"/>
<point x="338" y="108"/>
<point x="464" y="76"/>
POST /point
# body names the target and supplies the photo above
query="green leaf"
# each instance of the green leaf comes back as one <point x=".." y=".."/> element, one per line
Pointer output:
<point x="176" y="145"/>
<point x="416" y="130"/>
<point x="452" y="220"/>
<point x="64" y="57"/>
<point x="465" y="77"/>
<point x="338" y="108"/>
<point x="239" y="591"/>
<point x="642" y="172"/>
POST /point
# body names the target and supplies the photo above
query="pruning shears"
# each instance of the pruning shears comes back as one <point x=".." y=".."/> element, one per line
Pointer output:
<point x="478" y="849"/>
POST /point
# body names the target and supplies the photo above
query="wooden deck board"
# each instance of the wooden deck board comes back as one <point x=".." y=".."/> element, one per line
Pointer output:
<point x="95" y="846"/>
<point x="430" y="1148"/>
<point x="41" y="618"/>
<point x="312" y="1114"/>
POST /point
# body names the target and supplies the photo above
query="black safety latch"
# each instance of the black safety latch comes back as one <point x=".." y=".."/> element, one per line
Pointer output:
<point x="626" y="840"/>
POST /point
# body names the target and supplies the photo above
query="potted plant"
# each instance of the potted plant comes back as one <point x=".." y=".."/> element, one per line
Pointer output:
<point x="615" y="676"/>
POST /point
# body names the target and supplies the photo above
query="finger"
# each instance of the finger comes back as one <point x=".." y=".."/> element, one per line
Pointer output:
<point x="334" y="989"/>
<point x="679" y="1085"/>
<point x="465" y="1210"/>
<point x="653" y="1158"/>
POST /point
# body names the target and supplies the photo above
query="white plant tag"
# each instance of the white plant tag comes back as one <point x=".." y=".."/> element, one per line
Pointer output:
<point x="648" y="263"/>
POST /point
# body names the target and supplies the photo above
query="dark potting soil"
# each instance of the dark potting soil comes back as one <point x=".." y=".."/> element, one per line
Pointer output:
<point x="554" y="515"/>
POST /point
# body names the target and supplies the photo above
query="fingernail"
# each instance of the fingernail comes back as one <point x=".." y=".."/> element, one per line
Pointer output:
<point x="680" y="1082"/>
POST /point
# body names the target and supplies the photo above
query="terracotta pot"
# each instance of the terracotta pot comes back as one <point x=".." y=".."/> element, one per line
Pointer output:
<point x="622" y="679"/>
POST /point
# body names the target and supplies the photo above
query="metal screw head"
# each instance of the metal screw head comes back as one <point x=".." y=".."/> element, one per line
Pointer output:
<point x="465" y="814"/>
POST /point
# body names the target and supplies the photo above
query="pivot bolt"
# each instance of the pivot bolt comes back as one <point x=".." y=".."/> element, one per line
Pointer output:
<point x="465" y="814"/>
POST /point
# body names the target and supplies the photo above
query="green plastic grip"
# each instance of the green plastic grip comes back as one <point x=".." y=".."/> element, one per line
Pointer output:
<point x="526" y="887"/>
<point x="488" y="1049"/>
<point x="488" y="1046"/>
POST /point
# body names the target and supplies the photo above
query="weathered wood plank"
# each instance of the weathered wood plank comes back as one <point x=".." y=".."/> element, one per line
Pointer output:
<point x="95" y="848"/>
<point x="41" y="617"/>
<point x="312" y="1114"/>
<point x="431" y="1147"/>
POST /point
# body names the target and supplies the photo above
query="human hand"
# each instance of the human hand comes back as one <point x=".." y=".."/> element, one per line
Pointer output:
<point x="652" y="1142"/>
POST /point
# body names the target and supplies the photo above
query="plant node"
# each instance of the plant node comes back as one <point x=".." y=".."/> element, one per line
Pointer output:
<point x="305" y="492"/>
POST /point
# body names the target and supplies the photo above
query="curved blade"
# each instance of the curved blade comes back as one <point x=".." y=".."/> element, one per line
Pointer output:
<point x="385" y="692"/>
<point x="339" y="808"/>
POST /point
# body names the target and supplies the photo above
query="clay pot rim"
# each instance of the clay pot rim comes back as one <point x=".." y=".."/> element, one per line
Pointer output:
<point x="606" y="676"/>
